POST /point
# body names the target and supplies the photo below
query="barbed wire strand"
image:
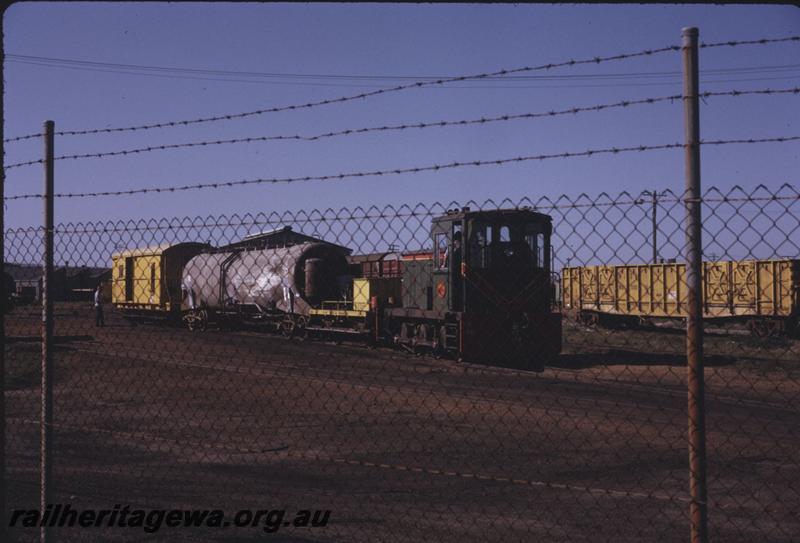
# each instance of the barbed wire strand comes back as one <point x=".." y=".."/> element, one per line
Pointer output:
<point x="760" y="41"/>
<point x="399" y="171"/>
<point x="407" y="126"/>
<point x="416" y="84"/>
<point x="397" y="88"/>
<point x="355" y="131"/>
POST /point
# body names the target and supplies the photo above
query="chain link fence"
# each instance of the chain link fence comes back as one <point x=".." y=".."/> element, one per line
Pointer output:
<point x="468" y="371"/>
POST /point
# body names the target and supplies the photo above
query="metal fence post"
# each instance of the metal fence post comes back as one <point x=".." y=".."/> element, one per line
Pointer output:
<point x="46" y="423"/>
<point x="694" y="298"/>
<point x="2" y="341"/>
<point x="655" y="227"/>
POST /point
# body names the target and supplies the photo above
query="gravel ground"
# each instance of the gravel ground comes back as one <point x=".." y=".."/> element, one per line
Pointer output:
<point x="404" y="448"/>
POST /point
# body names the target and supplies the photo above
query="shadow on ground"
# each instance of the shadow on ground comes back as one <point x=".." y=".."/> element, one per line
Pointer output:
<point x="616" y="357"/>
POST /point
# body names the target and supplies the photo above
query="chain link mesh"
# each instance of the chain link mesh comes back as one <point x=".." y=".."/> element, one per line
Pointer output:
<point x="423" y="372"/>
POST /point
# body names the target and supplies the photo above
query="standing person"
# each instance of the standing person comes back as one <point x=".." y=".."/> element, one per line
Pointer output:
<point x="98" y="307"/>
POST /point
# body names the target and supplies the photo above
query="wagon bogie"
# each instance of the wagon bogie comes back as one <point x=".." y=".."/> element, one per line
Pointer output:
<point x="196" y="320"/>
<point x="766" y="327"/>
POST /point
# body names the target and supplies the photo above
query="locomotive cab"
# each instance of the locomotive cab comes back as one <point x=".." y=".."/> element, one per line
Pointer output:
<point x="492" y="270"/>
<point x="508" y="250"/>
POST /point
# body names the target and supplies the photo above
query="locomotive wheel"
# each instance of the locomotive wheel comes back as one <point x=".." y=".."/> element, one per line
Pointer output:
<point x="288" y="327"/>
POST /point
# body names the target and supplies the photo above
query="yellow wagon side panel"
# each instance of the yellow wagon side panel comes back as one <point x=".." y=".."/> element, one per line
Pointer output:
<point x="646" y="289"/>
<point x="117" y="280"/>
<point x="621" y="290"/>
<point x="634" y="291"/>
<point x="788" y="287"/>
<point x="147" y="278"/>
<point x="676" y="290"/>
<point x="717" y="289"/>
<point x="769" y="283"/>
<point x="763" y="288"/>
<point x="605" y="278"/>
<point x="590" y="287"/>
<point x="730" y="289"/>
<point x="744" y="288"/>
<point x="137" y="281"/>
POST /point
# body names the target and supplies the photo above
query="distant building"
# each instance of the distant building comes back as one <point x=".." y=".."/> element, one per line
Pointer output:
<point x="69" y="283"/>
<point x="81" y="282"/>
<point x="279" y="237"/>
<point x="27" y="281"/>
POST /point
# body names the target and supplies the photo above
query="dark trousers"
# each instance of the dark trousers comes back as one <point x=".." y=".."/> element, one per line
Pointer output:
<point x="98" y="316"/>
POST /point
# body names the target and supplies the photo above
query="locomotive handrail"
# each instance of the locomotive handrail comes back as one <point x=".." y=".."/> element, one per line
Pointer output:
<point x="337" y="304"/>
<point x="223" y="270"/>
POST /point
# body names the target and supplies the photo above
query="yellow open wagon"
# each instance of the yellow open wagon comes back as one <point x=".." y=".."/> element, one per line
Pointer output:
<point x="763" y="293"/>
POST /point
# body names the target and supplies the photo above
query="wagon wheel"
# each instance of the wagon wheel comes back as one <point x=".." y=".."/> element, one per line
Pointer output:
<point x="588" y="319"/>
<point x="300" y="328"/>
<point x="759" y="328"/>
<point x="287" y="327"/>
<point x="197" y="320"/>
<point x="772" y="328"/>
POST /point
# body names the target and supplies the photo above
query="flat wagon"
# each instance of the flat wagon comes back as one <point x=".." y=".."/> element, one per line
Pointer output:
<point x="764" y="294"/>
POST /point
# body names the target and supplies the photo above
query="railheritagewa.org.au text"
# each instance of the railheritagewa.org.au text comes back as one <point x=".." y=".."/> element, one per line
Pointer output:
<point x="152" y="520"/>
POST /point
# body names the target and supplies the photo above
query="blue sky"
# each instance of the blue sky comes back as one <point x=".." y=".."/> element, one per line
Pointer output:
<point x="383" y="40"/>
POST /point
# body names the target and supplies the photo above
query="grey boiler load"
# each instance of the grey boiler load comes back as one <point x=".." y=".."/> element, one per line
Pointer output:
<point x="289" y="279"/>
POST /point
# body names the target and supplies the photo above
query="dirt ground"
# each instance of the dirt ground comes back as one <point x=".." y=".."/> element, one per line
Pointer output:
<point x="404" y="448"/>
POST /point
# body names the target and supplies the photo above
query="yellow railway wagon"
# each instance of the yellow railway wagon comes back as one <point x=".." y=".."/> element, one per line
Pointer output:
<point x="147" y="281"/>
<point x="764" y="293"/>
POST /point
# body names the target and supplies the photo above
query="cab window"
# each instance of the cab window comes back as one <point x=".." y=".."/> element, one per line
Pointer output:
<point x="534" y="239"/>
<point x="508" y="241"/>
<point x="541" y="257"/>
<point x="456" y="249"/>
<point x="481" y="245"/>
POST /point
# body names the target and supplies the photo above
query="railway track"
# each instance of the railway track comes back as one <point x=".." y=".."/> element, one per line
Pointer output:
<point x="377" y="369"/>
<point x="415" y="372"/>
